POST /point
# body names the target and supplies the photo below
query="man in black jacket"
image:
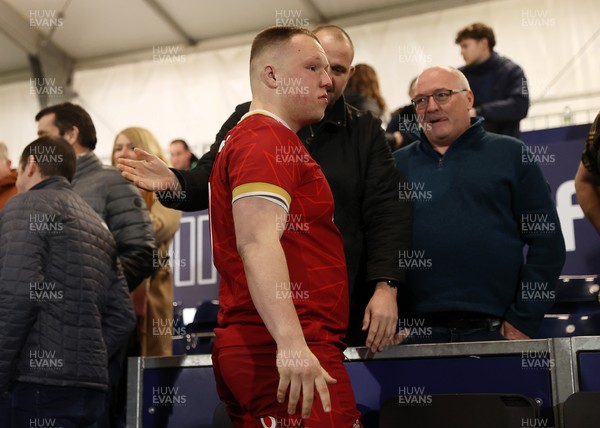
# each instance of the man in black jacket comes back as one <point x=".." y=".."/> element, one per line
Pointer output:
<point x="64" y="305"/>
<point x="351" y="149"/>
<point x="498" y="84"/>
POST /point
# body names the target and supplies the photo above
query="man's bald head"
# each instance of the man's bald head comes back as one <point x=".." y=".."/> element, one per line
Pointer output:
<point x="333" y="32"/>
<point x="340" y="54"/>
<point x="461" y="79"/>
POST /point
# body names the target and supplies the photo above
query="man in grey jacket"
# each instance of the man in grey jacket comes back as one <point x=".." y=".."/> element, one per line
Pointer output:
<point x="121" y="206"/>
<point x="116" y="200"/>
<point x="64" y="305"/>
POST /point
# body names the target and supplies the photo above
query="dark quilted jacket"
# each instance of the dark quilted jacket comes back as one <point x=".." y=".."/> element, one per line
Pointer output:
<point x="64" y="304"/>
<point x="119" y="203"/>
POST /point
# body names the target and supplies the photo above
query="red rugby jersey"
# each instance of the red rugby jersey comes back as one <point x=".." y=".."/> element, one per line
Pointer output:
<point x="262" y="157"/>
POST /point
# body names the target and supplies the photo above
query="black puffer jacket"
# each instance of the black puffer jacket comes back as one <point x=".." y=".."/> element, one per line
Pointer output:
<point x="350" y="147"/>
<point x="119" y="203"/>
<point x="64" y="304"/>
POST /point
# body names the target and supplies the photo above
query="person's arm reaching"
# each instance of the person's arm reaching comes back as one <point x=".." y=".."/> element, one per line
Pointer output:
<point x="179" y="189"/>
<point x="194" y="182"/>
<point x="149" y="173"/>
<point x="258" y="243"/>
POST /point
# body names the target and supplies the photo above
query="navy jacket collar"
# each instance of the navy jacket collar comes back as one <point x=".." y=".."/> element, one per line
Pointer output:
<point x="472" y="135"/>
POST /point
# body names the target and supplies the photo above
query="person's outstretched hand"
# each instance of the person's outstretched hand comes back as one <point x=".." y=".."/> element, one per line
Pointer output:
<point x="148" y="172"/>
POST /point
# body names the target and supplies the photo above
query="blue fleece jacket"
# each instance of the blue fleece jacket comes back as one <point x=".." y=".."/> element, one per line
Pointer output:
<point x="475" y="209"/>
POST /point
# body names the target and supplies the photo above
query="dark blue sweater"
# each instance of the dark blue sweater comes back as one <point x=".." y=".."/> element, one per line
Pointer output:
<point x="475" y="208"/>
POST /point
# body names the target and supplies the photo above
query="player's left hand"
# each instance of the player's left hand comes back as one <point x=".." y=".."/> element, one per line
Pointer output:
<point x="301" y="372"/>
<point x="381" y="318"/>
<point x="511" y="332"/>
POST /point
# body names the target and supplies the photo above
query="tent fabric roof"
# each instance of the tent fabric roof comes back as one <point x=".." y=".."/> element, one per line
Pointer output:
<point x="92" y="32"/>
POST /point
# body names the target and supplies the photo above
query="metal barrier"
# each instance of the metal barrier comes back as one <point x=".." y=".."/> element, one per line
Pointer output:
<point x="180" y="391"/>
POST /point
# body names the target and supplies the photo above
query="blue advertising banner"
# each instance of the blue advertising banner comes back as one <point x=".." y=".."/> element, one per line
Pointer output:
<point x="558" y="152"/>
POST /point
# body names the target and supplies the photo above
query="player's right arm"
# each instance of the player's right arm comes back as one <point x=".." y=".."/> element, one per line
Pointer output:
<point x="259" y="224"/>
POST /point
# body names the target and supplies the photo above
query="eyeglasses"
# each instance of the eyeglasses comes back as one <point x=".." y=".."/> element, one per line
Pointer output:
<point x="440" y="97"/>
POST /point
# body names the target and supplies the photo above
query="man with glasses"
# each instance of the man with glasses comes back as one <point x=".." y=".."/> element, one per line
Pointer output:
<point x="479" y="198"/>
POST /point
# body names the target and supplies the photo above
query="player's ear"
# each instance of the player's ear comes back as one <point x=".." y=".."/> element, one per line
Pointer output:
<point x="269" y="76"/>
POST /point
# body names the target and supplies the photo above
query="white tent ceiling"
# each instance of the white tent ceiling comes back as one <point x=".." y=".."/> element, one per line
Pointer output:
<point x="101" y="32"/>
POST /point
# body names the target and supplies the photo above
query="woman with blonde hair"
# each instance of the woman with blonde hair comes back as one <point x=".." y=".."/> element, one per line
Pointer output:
<point x="153" y="298"/>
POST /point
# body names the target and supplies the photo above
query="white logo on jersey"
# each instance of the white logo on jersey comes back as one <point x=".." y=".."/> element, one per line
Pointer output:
<point x="272" y="422"/>
<point x="223" y="143"/>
